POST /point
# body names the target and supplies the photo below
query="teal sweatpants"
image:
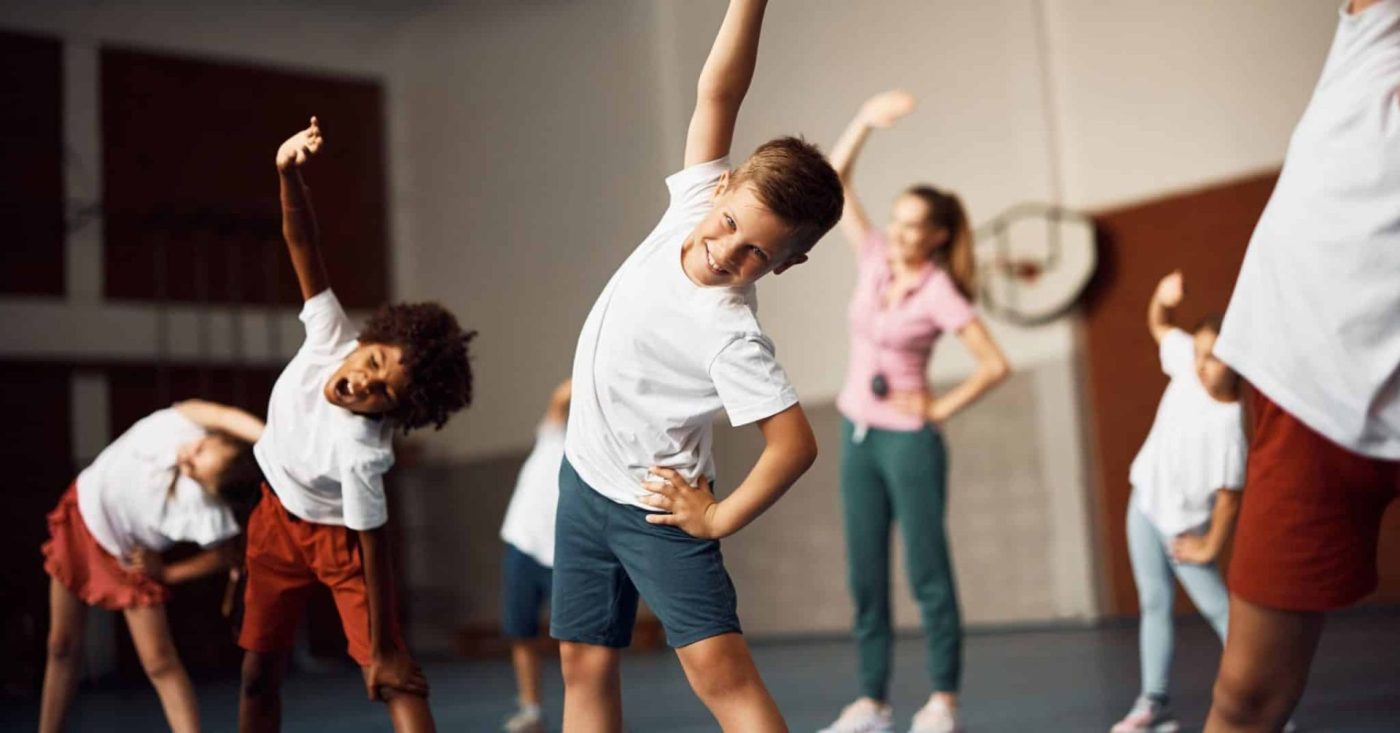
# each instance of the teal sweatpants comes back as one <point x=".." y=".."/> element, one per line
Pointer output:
<point x="899" y="476"/>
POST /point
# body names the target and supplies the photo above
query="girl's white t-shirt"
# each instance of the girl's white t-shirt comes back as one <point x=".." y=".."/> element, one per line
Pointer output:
<point x="1314" y="322"/>
<point x="126" y="499"/>
<point x="660" y="358"/>
<point x="1195" y="448"/>
<point x="326" y="463"/>
<point x="529" y="522"/>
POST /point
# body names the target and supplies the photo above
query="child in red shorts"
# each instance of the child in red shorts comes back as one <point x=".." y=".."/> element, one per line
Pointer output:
<point x="331" y="418"/>
<point x="1314" y="325"/>
<point x="172" y="477"/>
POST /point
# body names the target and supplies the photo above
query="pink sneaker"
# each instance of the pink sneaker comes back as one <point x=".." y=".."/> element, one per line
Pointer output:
<point x="1147" y="716"/>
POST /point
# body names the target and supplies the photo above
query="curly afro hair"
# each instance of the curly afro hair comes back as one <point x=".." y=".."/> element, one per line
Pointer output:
<point x="435" y="356"/>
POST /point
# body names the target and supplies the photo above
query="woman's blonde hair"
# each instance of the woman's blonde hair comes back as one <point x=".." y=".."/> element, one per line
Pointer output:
<point x="945" y="210"/>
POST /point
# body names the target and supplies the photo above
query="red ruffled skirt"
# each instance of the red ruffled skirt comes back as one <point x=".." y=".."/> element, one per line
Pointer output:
<point x="73" y="558"/>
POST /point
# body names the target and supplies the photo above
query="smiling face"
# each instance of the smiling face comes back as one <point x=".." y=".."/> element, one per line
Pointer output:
<point x="370" y="381"/>
<point x="912" y="234"/>
<point x="206" y="459"/>
<point x="738" y="242"/>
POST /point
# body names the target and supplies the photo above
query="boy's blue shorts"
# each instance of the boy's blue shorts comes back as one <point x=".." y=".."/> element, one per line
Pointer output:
<point x="525" y="591"/>
<point x="606" y="554"/>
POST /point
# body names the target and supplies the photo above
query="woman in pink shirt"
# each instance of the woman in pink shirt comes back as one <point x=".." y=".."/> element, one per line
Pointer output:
<point x="915" y="281"/>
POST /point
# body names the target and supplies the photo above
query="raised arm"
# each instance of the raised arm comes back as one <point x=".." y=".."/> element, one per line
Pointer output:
<point x="790" y="449"/>
<point x="558" y="411"/>
<point x="724" y="81"/>
<point x="298" y="218"/>
<point x="880" y="111"/>
<point x="214" y="416"/>
<point x="1166" y="297"/>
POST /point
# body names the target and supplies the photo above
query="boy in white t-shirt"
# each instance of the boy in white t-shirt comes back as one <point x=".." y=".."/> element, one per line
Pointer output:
<point x="330" y="422"/>
<point x="526" y="578"/>
<point x="671" y="343"/>
<point x="1314" y="326"/>
<point x="1186" y="482"/>
<point x="177" y="475"/>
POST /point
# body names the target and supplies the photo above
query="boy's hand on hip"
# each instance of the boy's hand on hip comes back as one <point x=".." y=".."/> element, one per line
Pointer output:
<point x="692" y="508"/>
<point x="394" y="671"/>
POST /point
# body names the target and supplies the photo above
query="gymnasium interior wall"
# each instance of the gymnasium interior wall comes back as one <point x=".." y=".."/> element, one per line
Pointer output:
<point x="512" y="196"/>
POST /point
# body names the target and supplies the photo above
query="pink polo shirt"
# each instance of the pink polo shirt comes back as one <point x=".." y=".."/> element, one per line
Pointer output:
<point x="897" y="342"/>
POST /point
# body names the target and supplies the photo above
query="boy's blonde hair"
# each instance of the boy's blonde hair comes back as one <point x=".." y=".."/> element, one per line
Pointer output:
<point x="794" y="180"/>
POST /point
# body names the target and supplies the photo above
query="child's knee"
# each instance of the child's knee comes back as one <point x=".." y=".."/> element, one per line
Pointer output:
<point x="1155" y="600"/>
<point x="161" y="662"/>
<point x="584" y="664"/>
<point x="722" y="679"/>
<point x="261" y="677"/>
<point x="1243" y="698"/>
<point x="64" y="646"/>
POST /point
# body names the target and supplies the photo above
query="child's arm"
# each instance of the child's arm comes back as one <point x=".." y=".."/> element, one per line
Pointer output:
<point x="1204" y="549"/>
<point x="207" y="562"/>
<point x="723" y="82"/>
<point x="298" y="218"/>
<point x="880" y="111"/>
<point x="789" y="451"/>
<point x="214" y="416"/>
<point x="389" y="667"/>
<point x="1167" y="296"/>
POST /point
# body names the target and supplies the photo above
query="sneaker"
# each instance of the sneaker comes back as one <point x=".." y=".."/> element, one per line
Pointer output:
<point x="862" y="716"/>
<point x="936" y="717"/>
<point x="1147" y="716"/>
<point x="526" y="720"/>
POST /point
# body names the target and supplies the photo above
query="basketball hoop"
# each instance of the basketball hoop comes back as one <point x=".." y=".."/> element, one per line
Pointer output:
<point x="1034" y="261"/>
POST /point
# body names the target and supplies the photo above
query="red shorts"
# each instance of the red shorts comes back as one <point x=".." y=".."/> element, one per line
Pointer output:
<point x="73" y="558"/>
<point x="1310" y="518"/>
<point x="286" y="557"/>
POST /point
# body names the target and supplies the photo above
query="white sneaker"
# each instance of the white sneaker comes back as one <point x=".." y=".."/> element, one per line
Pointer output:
<point x="1147" y="716"/>
<point x="862" y="716"/>
<point x="526" y="720"/>
<point x="936" y="717"/>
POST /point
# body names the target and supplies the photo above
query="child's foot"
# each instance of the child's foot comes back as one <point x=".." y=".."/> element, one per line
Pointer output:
<point x="1147" y="716"/>
<point x="862" y="716"/>
<point x="936" y="717"/>
<point x="526" y="720"/>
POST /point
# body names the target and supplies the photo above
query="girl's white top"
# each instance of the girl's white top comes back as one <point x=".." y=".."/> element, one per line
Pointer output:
<point x="1195" y="448"/>
<point x="125" y="496"/>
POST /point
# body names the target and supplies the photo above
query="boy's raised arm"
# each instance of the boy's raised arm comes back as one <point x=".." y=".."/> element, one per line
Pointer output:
<point x="724" y="81"/>
<point x="298" y="218"/>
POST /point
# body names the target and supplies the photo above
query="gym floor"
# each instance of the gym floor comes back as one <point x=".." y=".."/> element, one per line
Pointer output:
<point x="1025" y="680"/>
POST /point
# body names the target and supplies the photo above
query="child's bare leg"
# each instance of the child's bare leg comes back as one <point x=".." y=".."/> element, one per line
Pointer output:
<point x="723" y="675"/>
<point x="408" y="712"/>
<point x="526" y="659"/>
<point x="260" y="694"/>
<point x="67" y="615"/>
<point x="150" y="631"/>
<point x="1264" y="667"/>
<point x="592" y="688"/>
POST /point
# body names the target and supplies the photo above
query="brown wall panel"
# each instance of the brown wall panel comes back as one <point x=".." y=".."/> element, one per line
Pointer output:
<point x="31" y="178"/>
<point x="37" y="455"/>
<point x="190" y="192"/>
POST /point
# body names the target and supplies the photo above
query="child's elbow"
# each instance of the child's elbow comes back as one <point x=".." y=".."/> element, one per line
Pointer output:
<point x="807" y="452"/>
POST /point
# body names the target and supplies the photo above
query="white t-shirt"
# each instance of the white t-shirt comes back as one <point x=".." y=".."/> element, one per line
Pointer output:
<point x="529" y="523"/>
<point x="1195" y="448"/>
<point x="660" y="357"/>
<point x="1314" y="321"/>
<point x="325" y="462"/>
<point x="125" y="496"/>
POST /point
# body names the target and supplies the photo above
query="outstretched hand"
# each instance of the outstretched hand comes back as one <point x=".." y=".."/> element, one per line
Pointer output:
<point x="299" y="147"/>
<point x="883" y="109"/>
<point x="692" y="508"/>
<point x="1171" y="289"/>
